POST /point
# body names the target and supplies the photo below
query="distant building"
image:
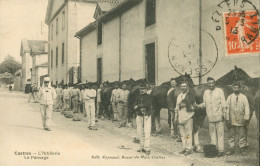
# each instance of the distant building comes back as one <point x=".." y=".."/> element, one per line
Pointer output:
<point x="33" y="53"/>
<point x="18" y="80"/>
<point x="158" y="40"/>
<point x="40" y="70"/>
<point x="39" y="54"/>
<point x="26" y="63"/>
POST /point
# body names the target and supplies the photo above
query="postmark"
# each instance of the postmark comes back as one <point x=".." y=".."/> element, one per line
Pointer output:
<point x="184" y="55"/>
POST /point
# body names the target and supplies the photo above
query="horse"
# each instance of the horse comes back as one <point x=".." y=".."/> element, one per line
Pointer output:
<point x="159" y="99"/>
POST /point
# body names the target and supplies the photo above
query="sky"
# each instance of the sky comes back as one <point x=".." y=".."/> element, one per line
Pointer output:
<point x="21" y="19"/>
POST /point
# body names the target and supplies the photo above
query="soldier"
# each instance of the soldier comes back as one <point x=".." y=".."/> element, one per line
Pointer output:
<point x="90" y="95"/>
<point x="215" y="103"/>
<point x="66" y="98"/>
<point x="142" y="105"/>
<point x="82" y="100"/>
<point x="184" y="112"/>
<point x="59" y="96"/>
<point x="47" y="95"/>
<point x="99" y="112"/>
<point x="123" y="106"/>
<point x="30" y="90"/>
<point x="237" y="119"/>
<point x="75" y="98"/>
<point x="171" y="100"/>
<point x="114" y="101"/>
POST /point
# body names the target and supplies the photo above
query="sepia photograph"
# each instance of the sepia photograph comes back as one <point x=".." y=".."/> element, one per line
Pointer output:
<point x="129" y="82"/>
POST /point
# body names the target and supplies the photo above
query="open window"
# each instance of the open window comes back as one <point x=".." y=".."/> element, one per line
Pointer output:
<point x="99" y="69"/>
<point x="57" y="56"/>
<point x="99" y="34"/>
<point x="150" y="17"/>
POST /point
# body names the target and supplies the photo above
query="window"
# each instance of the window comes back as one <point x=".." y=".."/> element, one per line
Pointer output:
<point x="150" y="12"/>
<point x="99" y="70"/>
<point x="57" y="56"/>
<point x="62" y="51"/>
<point x="63" y="20"/>
<point x="57" y="26"/>
<point x="51" y="31"/>
<point x="51" y="58"/>
<point x="99" y="34"/>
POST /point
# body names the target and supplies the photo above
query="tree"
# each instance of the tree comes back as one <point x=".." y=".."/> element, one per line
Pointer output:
<point x="10" y="65"/>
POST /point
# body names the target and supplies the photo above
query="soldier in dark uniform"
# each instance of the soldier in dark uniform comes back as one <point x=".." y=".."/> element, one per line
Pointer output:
<point x="142" y="105"/>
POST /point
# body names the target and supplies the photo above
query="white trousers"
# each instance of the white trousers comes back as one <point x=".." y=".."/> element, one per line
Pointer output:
<point x="144" y="129"/>
<point x="216" y="132"/>
<point x="46" y="113"/>
<point x="90" y="109"/>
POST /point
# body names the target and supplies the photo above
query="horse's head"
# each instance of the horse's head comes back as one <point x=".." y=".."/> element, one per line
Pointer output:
<point x="237" y="74"/>
<point x="185" y="78"/>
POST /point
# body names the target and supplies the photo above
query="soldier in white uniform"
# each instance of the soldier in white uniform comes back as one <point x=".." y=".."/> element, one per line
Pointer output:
<point x="59" y="96"/>
<point x="114" y="101"/>
<point x="47" y="95"/>
<point x="89" y="96"/>
<point x="123" y="95"/>
<point x="237" y="119"/>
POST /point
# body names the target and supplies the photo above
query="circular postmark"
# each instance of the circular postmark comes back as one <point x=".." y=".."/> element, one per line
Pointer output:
<point x="185" y="59"/>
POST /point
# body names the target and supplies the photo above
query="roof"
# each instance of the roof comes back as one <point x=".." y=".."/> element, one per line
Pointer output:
<point x="119" y="9"/>
<point x="37" y="46"/>
<point x="43" y="65"/>
<point x="86" y="29"/>
<point x="34" y="46"/>
<point x="50" y="5"/>
<point x="106" y="6"/>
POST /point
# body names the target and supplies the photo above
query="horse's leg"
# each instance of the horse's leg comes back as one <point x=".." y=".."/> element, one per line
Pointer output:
<point x="247" y="126"/>
<point x="130" y="117"/>
<point x="153" y="129"/>
<point x="172" y="122"/>
<point x="158" y="120"/>
<point x="169" y="118"/>
<point x="196" y="141"/>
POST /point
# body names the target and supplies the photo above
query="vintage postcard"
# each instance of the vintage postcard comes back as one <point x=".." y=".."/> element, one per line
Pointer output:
<point x="129" y="82"/>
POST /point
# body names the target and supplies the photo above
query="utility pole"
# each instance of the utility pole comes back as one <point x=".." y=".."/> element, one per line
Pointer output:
<point x="200" y="42"/>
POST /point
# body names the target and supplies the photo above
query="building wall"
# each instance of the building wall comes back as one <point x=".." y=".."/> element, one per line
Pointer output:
<point x="132" y="43"/>
<point x="18" y="83"/>
<point x="110" y="53"/>
<point x="89" y="52"/>
<point x="80" y="14"/>
<point x="56" y="5"/>
<point x="177" y="23"/>
<point x="40" y="71"/>
<point x="77" y="14"/>
<point x="37" y="60"/>
<point x="58" y="73"/>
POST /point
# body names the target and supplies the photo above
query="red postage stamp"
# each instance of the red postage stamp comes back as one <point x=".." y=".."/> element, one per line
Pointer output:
<point x="242" y="32"/>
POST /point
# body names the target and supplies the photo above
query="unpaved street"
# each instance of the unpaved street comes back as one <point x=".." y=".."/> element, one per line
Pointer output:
<point x="24" y="142"/>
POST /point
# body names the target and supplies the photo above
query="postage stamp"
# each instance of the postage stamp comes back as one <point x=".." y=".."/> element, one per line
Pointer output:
<point x="241" y="30"/>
